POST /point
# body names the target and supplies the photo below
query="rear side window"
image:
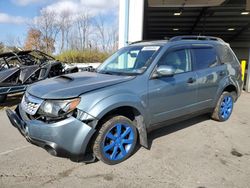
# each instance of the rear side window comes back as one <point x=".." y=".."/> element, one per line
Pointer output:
<point x="204" y="58"/>
<point x="226" y="55"/>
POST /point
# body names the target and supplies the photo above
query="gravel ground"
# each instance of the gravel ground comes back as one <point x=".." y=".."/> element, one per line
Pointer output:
<point x="198" y="153"/>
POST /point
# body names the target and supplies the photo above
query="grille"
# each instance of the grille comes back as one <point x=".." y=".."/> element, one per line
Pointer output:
<point x="30" y="104"/>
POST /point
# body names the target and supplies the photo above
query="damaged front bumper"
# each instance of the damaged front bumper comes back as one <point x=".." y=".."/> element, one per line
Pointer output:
<point x="66" y="138"/>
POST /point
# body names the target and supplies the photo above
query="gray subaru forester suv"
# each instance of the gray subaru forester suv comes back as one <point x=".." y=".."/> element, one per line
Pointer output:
<point x="146" y="85"/>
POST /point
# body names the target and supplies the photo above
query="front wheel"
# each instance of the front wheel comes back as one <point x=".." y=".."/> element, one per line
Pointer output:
<point x="116" y="140"/>
<point x="224" y="107"/>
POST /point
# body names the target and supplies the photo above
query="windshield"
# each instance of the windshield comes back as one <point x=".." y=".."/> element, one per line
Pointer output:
<point x="129" y="60"/>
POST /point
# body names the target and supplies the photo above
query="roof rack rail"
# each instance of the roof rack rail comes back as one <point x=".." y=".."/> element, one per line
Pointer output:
<point x="193" y="37"/>
<point x="135" y="42"/>
<point x="148" y="41"/>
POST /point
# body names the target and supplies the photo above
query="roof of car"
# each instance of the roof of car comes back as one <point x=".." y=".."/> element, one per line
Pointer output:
<point x="24" y="52"/>
<point x="10" y="54"/>
<point x="184" y="39"/>
<point x="195" y="38"/>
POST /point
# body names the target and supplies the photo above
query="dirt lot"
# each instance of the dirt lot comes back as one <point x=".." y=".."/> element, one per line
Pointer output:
<point x="197" y="153"/>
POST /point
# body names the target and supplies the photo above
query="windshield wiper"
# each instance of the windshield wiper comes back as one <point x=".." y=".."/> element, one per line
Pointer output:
<point x="119" y="73"/>
<point x="106" y="72"/>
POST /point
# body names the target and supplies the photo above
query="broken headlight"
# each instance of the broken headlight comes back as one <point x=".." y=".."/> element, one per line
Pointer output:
<point x="58" y="108"/>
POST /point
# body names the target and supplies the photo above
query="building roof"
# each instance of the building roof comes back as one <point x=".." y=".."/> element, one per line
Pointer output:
<point x="229" y="21"/>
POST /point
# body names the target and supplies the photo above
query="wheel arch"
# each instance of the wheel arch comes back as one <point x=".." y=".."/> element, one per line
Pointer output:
<point x="227" y="84"/>
<point x="132" y="113"/>
<point x="230" y="88"/>
<point x="126" y="104"/>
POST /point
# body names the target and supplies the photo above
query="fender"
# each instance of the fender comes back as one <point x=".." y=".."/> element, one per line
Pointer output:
<point x="121" y="100"/>
<point x="223" y="84"/>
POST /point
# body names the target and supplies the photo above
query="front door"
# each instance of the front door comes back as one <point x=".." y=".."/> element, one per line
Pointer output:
<point x="173" y="96"/>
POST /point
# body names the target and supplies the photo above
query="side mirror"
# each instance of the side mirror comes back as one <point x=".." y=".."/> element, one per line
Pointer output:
<point x="164" y="70"/>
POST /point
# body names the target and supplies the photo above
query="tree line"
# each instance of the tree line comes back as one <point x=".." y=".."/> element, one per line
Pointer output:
<point x="59" y="32"/>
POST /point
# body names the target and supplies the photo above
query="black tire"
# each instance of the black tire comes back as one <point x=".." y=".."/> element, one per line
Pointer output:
<point x="103" y="141"/>
<point x="3" y="98"/>
<point x="218" y="114"/>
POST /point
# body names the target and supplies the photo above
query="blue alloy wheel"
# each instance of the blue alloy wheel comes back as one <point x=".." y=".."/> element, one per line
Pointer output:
<point x="226" y="107"/>
<point x="118" y="142"/>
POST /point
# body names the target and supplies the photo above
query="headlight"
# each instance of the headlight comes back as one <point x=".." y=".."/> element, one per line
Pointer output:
<point x="58" y="108"/>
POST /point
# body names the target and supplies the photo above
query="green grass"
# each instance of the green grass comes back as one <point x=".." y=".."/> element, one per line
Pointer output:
<point x="86" y="56"/>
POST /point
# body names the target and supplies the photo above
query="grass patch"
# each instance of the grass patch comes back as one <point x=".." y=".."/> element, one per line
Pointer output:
<point x="86" y="56"/>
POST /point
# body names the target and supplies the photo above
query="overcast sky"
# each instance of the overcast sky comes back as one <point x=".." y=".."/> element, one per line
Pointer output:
<point x="15" y="15"/>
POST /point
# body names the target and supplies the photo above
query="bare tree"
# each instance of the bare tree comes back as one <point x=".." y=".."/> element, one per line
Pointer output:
<point x="100" y="31"/>
<point x="107" y="34"/>
<point x="65" y="23"/>
<point x="47" y="23"/>
<point x="73" y="43"/>
<point x="83" y="24"/>
<point x="112" y="39"/>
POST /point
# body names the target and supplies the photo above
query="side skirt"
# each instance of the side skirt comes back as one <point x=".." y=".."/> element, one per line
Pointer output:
<point x="178" y="119"/>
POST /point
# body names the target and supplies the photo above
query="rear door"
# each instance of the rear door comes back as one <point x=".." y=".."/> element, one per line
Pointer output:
<point x="173" y="96"/>
<point x="209" y="73"/>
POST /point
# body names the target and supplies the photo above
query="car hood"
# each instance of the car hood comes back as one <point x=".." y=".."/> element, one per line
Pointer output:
<point x="73" y="85"/>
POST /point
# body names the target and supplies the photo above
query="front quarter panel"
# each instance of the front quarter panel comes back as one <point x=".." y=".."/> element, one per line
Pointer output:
<point x="97" y="104"/>
<point x="100" y="103"/>
<point x="118" y="100"/>
<point x="132" y="93"/>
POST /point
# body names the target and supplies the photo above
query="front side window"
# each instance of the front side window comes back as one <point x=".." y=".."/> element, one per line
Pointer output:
<point x="178" y="59"/>
<point x="204" y="58"/>
<point x="129" y="60"/>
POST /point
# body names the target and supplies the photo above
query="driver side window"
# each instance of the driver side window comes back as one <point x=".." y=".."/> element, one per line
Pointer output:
<point x="180" y="60"/>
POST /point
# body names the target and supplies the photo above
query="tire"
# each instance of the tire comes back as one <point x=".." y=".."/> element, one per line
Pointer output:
<point x="3" y="98"/>
<point x="224" y="107"/>
<point x="116" y="140"/>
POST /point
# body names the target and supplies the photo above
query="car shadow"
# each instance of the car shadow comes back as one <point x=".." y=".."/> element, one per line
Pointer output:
<point x="169" y="129"/>
<point x="12" y="100"/>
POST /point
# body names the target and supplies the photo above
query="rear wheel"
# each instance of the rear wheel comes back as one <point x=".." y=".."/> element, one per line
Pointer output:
<point x="3" y="98"/>
<point x="224" y="107"/>
<point x="116" y="140"/>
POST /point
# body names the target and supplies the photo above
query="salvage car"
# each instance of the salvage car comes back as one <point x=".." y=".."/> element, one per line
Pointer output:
<point x="20" y="69"/>
<point x="143" y="86"/>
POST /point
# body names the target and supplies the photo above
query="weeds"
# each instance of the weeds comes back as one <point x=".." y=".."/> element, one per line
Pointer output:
<point x="86" y="56"/>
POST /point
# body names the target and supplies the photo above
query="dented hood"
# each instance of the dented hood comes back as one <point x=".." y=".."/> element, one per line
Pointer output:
<point x="73" y="85"/>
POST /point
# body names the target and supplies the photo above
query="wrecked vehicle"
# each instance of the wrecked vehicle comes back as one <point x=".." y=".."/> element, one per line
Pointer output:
<point x="19" y="69"/>
<point x="141" y="87"/>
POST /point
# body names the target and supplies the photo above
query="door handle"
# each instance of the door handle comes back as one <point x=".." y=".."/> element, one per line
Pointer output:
<point x="191" y="80"/>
